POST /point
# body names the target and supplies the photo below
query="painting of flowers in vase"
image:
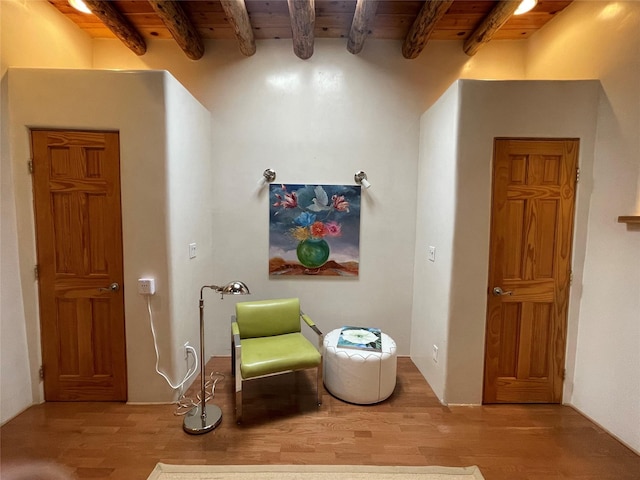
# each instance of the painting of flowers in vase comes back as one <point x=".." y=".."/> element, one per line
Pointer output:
<point x="314" y="230"/>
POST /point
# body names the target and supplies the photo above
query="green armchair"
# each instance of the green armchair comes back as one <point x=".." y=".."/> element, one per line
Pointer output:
<point x="266" y="339"/>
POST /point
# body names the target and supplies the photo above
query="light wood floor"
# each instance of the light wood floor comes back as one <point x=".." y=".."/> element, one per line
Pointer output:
<point x="283" y="426"/>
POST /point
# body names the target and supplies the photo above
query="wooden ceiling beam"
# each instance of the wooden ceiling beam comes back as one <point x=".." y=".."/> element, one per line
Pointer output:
<point x="361" y="25"/>
<point x="423" y="26"/>
<point x="115" y="21"/>
<point x="181" y="28"/>
<point x="303" y="19"/>
<point x="490" y="24"/>
<point x="236" y="12"/>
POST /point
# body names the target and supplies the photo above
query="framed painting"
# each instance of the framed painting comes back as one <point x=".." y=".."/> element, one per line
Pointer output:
<point x="314" y="230"/>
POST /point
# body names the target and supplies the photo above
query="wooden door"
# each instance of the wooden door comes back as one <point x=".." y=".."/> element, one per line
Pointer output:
<point x="76" y="178"/>
<point x="530" y="261"/>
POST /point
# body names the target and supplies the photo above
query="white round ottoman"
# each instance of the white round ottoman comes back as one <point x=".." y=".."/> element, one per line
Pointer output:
<point x="359" y="376"/>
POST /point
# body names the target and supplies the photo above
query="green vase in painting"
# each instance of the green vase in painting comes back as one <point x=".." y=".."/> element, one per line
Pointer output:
<point x="313" y="252"/>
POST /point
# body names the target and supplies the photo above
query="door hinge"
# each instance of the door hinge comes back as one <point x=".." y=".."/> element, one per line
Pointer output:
<point x="577" y="175"/>
<point x="41" y="372"/>
<point x="36" y="272"/>
<point x="30" y="165"/>
<point x="571" y="278"/>
<point x="563" y="374"/>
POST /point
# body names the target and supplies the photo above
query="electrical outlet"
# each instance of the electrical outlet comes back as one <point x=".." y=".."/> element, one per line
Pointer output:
<point x="434" y="355"/>
<point x="146" y="286"/>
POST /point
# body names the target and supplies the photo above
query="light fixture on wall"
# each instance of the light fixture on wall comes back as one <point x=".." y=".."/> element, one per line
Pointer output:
<point x="361" y="178"/>
<point x="268" y="176"/>
<point x="525" y="6"/>
<point x="80" y="6"/>
<point x="200" y="419"/>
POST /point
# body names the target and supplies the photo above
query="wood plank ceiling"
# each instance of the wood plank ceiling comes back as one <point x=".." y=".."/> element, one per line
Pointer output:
<point x="415" y="22"/>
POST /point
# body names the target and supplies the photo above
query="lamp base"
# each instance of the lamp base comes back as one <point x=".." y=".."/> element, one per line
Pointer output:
<point x="194" y="424"/>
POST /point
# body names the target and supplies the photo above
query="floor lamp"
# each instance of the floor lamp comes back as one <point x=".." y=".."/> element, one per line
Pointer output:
<point x="201" y="419"/>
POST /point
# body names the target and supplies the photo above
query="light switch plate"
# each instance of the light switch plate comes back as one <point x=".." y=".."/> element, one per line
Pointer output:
<point x="432" y="253"/>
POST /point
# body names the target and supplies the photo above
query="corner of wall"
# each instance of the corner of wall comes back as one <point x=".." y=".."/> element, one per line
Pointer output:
<point x="189" y="196"/>
<point x="16" y="389"/>
<point x="436" y="202"/>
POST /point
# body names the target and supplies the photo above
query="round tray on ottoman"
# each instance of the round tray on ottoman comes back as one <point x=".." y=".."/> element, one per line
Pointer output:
<point x="357" y="375"/>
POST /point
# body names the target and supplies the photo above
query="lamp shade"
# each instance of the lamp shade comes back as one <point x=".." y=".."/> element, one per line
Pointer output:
<point x="235" y="288"/>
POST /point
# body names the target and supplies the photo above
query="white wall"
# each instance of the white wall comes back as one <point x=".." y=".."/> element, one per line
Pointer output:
<point x="316" y="121"/>
<point x="435" y="227"/>
<point x="189" y="203"/>
<point x="16" y="392"/>
<point x="132" y="103"/>
<point x="35" y="34"/>
<point x="454" y="317"/>
<point x="602" y="40"/>
<point x="502" y="109"/>
<point x="30" y="34"/>
<point x="424" y="78"/>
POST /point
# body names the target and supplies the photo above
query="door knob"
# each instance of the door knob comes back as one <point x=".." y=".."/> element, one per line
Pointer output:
<point x="114" y="287"/>
<point x="498" y="292"/>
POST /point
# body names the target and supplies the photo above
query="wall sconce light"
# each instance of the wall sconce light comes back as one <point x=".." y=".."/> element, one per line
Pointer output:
<point x="268" y="176"/>
<point x="361" y="178"/>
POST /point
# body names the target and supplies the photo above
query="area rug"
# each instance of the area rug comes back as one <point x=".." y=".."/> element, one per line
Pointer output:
<point x="164" y="471"/>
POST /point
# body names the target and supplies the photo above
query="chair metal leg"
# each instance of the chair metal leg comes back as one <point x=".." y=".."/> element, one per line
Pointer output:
<point x="319" y="384"/>
<point x="239" y="404"/>
<point x="233" y="357"/>
<point x="236" y="359"/>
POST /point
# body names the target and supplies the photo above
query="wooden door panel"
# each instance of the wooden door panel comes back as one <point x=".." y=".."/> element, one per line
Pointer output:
<point x="513" y="239"/>
<point x="99" y="236"/>
<point x="102" y="355"/>
<point x="540" y="345"/>
<point x="65" y="213"/>
<point x="507" y="336"/>
<point x="82" y="322"/>
<point x="546" y="219"/>
<point x="78" y="222"/>
<point x="67" y="328"/>
<point x="531" y="231"/>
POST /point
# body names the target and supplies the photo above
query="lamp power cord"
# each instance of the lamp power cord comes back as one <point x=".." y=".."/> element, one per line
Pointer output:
<point x="184" y="404"/>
